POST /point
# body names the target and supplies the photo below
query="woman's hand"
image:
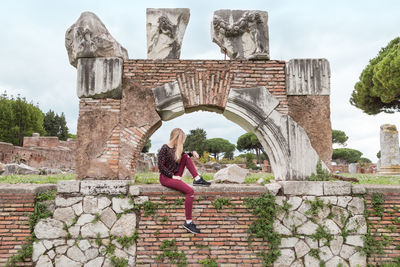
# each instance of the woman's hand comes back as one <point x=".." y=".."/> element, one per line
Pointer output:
<point x="176" y="177"/>
<point x="195" y="154"/>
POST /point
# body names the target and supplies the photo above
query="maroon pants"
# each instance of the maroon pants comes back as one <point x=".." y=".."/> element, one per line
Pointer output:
<point x="181" y="186"/>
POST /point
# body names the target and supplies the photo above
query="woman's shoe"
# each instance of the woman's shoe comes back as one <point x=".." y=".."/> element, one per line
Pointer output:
<point x="201" y="182"/>
<point x="191" y="227"/>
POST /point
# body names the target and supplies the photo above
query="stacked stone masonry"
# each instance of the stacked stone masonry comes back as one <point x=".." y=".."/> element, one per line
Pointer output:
<point x="92" y="211"/>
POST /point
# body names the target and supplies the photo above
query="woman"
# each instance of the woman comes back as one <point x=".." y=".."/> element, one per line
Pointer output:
<point x="171" y="164"/>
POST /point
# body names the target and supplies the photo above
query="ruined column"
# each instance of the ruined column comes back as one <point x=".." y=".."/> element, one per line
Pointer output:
<point x="390" y="154"/>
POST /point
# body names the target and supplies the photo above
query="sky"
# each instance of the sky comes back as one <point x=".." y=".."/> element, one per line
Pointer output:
<point x="34" y="62"/>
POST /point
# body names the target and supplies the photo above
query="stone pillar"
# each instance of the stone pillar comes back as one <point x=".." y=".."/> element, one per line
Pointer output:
<point x="390" y="155"/>
<point x="308" y="91"/>
<point x="353" y="168"/>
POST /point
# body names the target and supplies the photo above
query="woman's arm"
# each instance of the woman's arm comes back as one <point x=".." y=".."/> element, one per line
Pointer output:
<point x="162" y="158"/>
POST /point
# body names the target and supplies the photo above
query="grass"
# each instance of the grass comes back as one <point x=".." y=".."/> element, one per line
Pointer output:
<point x="35" y="179"/>
<point x="373" y="179"/>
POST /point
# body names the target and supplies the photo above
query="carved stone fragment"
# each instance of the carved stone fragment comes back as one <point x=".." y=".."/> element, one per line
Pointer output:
<point x="241" y="34"/>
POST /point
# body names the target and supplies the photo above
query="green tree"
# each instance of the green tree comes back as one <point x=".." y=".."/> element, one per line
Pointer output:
<point x="346" y="154"/>
<point x="147" y="146"/>
<point x="339" y="137"/>
<point x="249" y="142"/>
<point x="379" y="87"/>
<point x="195" y="141"/>
<point x="216" y="146"/>
<point x="364" y="160"/>
<point x="18" y="118"/>
<point x="55" y="125"/>
<point x="378" y="155"/>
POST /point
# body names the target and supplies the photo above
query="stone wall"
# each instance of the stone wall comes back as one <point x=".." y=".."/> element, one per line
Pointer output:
<point x="16" y="204"/>
<point x="60" y="157"/>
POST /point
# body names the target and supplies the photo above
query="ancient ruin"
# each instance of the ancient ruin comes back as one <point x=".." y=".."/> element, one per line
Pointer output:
<point x="390" y="153"/>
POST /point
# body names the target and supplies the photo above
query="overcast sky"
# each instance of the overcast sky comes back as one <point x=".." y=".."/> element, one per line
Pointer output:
<point x="34" y="61"/>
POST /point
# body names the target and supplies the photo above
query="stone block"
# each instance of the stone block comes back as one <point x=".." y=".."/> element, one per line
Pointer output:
<point x="38" y="250"/>
<point x="347" y="251"/>
<point x="241" y="34"/>
<point x="286" y="258"/>
<point x="95" y="262"/>
<point x="108" y="217"/>
<point x="74" y="253"/>
<point x="336" y="261"/>
<point x="65" y="215"/>
<point x="308" y="228"/>
<point x="169" y="103"/>
<point x="91" y="230"/>
<point x="281" y="229"/>
<point x="109" y="187"/>
<point x="67" y="202"/>
<point x="355" y="240"/>
<point x="70" y="186"/>
<point x="141" y="199"/>
<point x="390" y="151"/>
<point x="357" y="259"/>
<point x="65" y="261"/>
<point x="232" y="174"/>
<point x="288" y="242"/>
<point x="44" y="261"/>
<point x="301" y="249"/>
<point x="302" y="188"/>
<point x="308" y="77"/>
<point x="273" y="188"/>
<point x="119" y="205"/>
<point x="49" y="229"/>
<point x="134" y="190"/>
<point x="356" y="206"/>
<point x="337" y="188"/>
<point x="89" y="38"/>
<point x="165" y="30"/>
<point x="358" y="189"/>
<point x="357" y="224"/>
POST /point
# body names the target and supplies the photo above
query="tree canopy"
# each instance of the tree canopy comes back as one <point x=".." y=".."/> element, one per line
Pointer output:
<point x="18" y="118"/>
<point x="346" y="154"/>
<point x="248" y="142"/>
<point x="55" y="125"/>
<point x="216" y="146"/>
<point x="195" y="141"/>
<point x="339" y="137"/>
<point x="147" y="146"/>
<point x="379" y="87"/>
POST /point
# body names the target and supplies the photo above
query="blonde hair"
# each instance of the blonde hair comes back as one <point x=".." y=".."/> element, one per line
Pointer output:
<point x="177" y="138"/>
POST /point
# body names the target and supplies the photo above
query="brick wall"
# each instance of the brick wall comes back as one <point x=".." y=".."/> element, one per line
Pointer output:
<point x="16" y="204"/>
<point x="48" y="142"/>
<point x="391" y="206"/>
<point x="210" y="79"/>
<point x="223" y="236"/>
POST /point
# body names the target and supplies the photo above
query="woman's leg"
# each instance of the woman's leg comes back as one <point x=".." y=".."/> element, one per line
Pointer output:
<point x="181" y="187"/>
<point x="187" y="162"/>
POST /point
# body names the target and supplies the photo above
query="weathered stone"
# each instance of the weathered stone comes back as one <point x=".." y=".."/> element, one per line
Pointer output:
<point x="329" y="200"/>
<point x="337" y="188"/>
<point x="120" y="253"/>
<point x="332" y="227"/>
<point x="353" y="168"/>
<point x="49" y="229"/>
<point x="108" y="217"/>
<point x="273" y="188"/>
<point x="131" y="250"/>
<point x="21" y="168"/>
<point x="356" y="206"/>
<point x="232" y="174"/>
<point x="99" y="78"/>
<point x="78" y="208"/>
<point x="285" y="259"/>
<point x="294" y="202"/>
<point x="76" y="254"/>
<point x="84" y="244"/>
<point x="358" y="189"/>
<point x="140" y="200"/>
<point x="103" y="202"/>
<point x="311" y="243"/>
<point x="336" y="261"/>
<point x="107" y="263"/>
<point x="119" y="205"/>
<point x="308" y="77"/>
<point x="336" y="245"/>
<point x="288" y="242"/>
<point x="322" y="214"/>
<point x="91" y="253"/>
<point x="84" y="219"/>
<point x="241" y="34"/>
<point x="90" y="230"/>
<point x="343" y="201"/>
<point x="51" y="254"/>
<point x="355" y="240"/>
<point x="125" y="226"/>
<point x="357" y="224"/>
<point x="358" y="260"/>
<point x="66" y="215"/>
<point x="301" y="249"/>
<point x="95" y="262"/>
<point x="340" y="215"/>
<point x="310" y="261"/>
<point x="308" y="228"/>
<point x="325" y="253"/>
<point x="281" y="229"/>
<point x="165" y="30"/>
<point x="69" y="186"/>
<point x="65" y="261"/>
<point x="305" y="206"/>
<point x="131" y="261"/>
<point x="90" y="205"/>
<point x="48" y="244"/>
<point x="44" y="261"/>
<point x="66" y="202"/>
<point x="74" y="231"/>
<point x="38" y="250"/>
<point x="294" y="219"/>
<point x="302" y="188"/>
<point x="168" y="99"/>
<point x="61" y="249"/>
<point x="88" y="38"/>
<point x="95" y="128"/>
<point x="347" y="251"/>
<point x="390" y="152"/>
<point x="298" y="263"/>
<point x="109" y="187"/>
<point x="134" y="190"/>
<point x="280" y="200"/>
<point x="58" y="242"/>
<point x="70" y="242"/>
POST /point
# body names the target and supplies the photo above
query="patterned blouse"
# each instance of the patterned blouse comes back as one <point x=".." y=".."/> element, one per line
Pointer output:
<point x="166" y="161"/>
